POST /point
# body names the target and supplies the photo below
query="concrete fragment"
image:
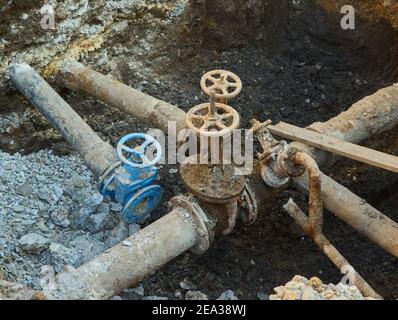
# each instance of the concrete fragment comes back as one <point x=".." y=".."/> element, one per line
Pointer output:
<point x="33" y="243"/>
<point x="62" y="256"/>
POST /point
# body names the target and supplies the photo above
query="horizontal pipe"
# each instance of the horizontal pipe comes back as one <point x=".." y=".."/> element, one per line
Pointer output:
<point x="373" y="114"/>
<point x="77" y="77"/>
<point x="127" y="263"/>
<point x="97" y="154"/>
<point x="356" y="212"/>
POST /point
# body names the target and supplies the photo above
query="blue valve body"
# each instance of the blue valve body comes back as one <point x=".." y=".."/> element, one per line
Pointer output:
<point x="131" y="186"/>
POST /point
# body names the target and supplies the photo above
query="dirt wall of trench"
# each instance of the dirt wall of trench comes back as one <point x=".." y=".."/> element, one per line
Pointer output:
<point x="149" y="35"/>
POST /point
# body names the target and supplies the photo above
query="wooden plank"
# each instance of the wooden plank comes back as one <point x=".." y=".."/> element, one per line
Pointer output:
<point x="339" y="147"/>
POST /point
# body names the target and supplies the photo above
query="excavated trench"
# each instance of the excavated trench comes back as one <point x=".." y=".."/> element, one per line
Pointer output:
<point x="297" y="65"/>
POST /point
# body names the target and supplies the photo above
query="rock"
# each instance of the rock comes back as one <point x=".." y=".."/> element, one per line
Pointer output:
<point x="228" y="295"/>
<point x="96" y="222"/>
<point x="286" y="112"/>
<point x="262" y="296"/>
<point x="292" y="295"/>
<point x="315" y="282"/>
<point x="178" y="294"/>
<point x="133" y="229"/>
<point x="25" y="190"/>
<point x="14" y="291"/>
<point x="87" y="246"/>
<point x="79" y="219"/>
<point x="118" y="234"/>
<point x="18" y="208"/>
<point x="62" y="256"/>
<point x="103" y="208"/>
<point x="188" y="285"/>
<point x="126" y="243"/>
<point x="94" y="200"/>
<point x="173" y="171"/>
<point x="51" y="197"/>
<point x="116" y="207"/>
<point x="155" y="298"/>
<point x="309" y="294"/>
<point x="33" y="243"/>
<point x="138" y="290"/>
<point x="195" y="295"/>
<point x="60" y="217"/>
<point x="116" y="298"/>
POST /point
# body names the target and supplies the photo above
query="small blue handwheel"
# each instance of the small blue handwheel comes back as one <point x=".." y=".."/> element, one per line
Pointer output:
<point x="138" y="208"/>
<point x="136" y="157"/>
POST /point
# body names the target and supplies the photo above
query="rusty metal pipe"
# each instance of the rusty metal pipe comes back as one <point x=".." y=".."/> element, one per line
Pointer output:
<point x="315" y="206"/>
<point x="373" y="114"/>
<point x="330" y="251"/>
<point x="356" y="212"/>
<point x="97" y="154"/>
<point x="77" y="77"/>
<point x="312" y="225"/>
<point x="127" y="263"/>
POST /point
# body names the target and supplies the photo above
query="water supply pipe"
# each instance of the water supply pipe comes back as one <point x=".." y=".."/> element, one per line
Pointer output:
<point x="127" y="263"/>
<point x="372" y="114"/>
<point x="125" y="176"/>
<point x="77" y="77"/>
<point x="97" y="154"/>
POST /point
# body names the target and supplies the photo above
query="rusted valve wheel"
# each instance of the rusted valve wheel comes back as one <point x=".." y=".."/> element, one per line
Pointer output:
<point x="226" y="84"/>
<point x="212" y="123"/>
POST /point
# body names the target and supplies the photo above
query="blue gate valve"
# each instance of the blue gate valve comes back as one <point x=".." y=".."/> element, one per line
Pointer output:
<point x="130" y="180"/>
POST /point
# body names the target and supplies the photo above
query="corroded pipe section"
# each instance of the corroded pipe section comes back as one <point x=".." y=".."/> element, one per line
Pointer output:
<point x="77" y="77"/>
<point x="330" y="251"/>
<point x="127" y="263"/>
<point x="97" y="154"/>
<point x="313" y="224"/>
<point x="315" y="206"/>
<point x="356" y="212"/>
<point x="373" y="114"/>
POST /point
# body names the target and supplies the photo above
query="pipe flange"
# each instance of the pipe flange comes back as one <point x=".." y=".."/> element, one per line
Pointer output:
<point x="205" y="226"/>
<point x="107" y="177"/>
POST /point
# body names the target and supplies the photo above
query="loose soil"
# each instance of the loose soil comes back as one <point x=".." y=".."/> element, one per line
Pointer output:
<point x="296" y="65"/>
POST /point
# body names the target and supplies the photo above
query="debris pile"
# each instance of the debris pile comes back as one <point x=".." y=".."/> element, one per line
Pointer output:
<point x="300" y="288"/>
<point x="52" y="214"/>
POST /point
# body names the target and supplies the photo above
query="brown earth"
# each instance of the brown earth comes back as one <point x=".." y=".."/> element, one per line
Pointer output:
<point x="297" y="65"/>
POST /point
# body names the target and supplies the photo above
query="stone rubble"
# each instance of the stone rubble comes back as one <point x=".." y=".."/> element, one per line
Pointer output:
<point x="52" y="214"/>
<point x="300" y="288"/>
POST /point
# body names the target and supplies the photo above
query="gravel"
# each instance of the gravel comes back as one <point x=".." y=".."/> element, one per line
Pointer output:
<point x="188" y="285"/>
<point x="51" y="214"/>
<point x="228" y="295"/>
